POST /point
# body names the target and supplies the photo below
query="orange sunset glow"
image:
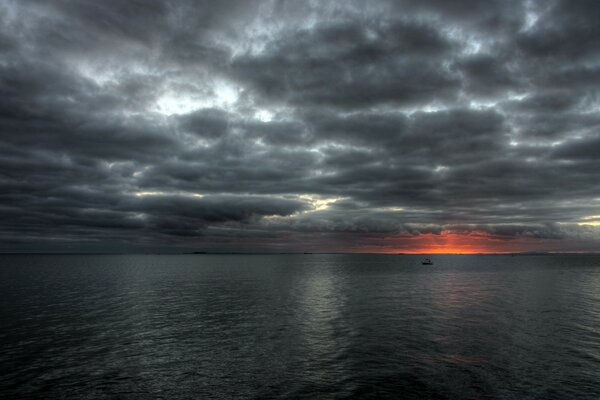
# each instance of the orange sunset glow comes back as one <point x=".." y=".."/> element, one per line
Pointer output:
<point x="447" y="242"/>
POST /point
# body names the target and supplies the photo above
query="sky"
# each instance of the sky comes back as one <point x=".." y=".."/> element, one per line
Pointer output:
<point x="299" y="126"/>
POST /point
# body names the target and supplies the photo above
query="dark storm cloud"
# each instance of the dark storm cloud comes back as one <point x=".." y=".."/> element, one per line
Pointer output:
<point x="566" y="29"/>
<point x="281" y="124"/>
<point x="350" y="65"/>
<point x="214" y="208"/>
<point x="484" y="75"/>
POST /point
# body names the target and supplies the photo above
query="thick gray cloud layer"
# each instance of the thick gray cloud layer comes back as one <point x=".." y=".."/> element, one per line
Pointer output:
<point x="284" y="125"/>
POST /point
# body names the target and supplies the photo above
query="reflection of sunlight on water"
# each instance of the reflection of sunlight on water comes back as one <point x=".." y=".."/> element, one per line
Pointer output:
<point x="321" y="304"/>
<point x="582" y="297"/>
<point x="594" y="284"/>
<point x="452" y="293"/>
<point x="459" y="304"/>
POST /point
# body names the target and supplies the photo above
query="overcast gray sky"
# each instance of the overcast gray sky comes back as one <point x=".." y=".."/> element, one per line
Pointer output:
<point x="299" y="126"/>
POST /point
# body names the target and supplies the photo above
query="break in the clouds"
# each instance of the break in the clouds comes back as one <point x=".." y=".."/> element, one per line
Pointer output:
<point x="300" y="126"/>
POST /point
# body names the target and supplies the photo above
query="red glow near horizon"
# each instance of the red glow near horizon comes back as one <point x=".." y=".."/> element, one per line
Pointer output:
<point x="458" y="243"/>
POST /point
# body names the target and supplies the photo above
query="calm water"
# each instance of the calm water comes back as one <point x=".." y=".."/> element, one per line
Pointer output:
<point x="300" y="326"/>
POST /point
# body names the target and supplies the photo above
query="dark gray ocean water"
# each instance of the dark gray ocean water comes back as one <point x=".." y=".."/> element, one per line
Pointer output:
<point x="299" y="326"/>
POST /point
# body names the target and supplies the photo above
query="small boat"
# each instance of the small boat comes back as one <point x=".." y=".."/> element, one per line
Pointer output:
<point x="427" y="261"/>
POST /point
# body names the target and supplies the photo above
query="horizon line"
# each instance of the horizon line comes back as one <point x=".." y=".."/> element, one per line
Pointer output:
<point x="200" y="253"/>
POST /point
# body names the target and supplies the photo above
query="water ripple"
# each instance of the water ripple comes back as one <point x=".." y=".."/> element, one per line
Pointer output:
<point x="300" y="326"/>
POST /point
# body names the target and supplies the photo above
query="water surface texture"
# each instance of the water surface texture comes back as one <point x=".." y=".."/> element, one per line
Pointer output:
<point x="299" y="326"/>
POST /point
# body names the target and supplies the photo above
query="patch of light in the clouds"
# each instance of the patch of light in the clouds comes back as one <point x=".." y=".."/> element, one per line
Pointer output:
<point x="592" y="220"/>
<point x="100" y="76"/>
<point x="590" y="105"/>
<point x="320" y="203"/>
<point x="427" y="108"/>
<point x="432" y="107"/>
<point x="531" y="17"/>
<point x="110" y="71"/>
<point x="472" y="47"/>
<point x="149" y="193"/>
<point x="170" y="103"/>
<point x="264" y="115"/>
<point x="217" y="93"/>
<point x="516" y="96"/>
<point x="224" y="95"/>
<point x="162" y="193"/>
<point x="484" y="104"/>
<point x="194" y="142"/>
<point x="258" y="142"/>
<point x="472" y="43"/>
<point x="390" y="209"/>
<point x="170" y="98"/>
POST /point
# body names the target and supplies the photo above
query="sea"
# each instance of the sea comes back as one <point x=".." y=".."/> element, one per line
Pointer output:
<point x="299" y="326"/>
